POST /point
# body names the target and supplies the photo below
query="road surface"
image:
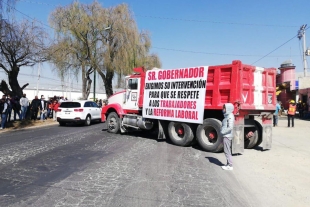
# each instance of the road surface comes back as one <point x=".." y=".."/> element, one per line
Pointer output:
<point x="85" y="166"/>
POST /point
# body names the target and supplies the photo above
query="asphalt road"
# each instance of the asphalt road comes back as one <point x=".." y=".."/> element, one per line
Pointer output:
<point x="85" y="166"/>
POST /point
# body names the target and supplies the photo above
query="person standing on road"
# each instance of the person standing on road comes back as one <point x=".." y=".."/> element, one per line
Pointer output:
<point x="3" y="111"/>
<point x="291" y="113"/>
<point x="227" y="133"/>
<point x="276" y="115"/>
<point x="300" y="109"/>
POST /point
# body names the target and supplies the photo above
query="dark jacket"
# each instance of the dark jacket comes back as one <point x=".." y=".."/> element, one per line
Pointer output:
<point x="35" y="104"/>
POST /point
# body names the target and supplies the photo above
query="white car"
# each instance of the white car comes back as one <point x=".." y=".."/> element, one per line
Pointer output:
<point x="78" y="112"/>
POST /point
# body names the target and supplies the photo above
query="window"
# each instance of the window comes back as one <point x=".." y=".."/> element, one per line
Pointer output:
<point x="94" y="104"/>
<point x="133" y="84"/>
<point x="70" y="105"/>
<point x="87" y="104"/>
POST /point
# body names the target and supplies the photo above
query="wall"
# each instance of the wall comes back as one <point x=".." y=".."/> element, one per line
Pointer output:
<point x="74" y="95"/>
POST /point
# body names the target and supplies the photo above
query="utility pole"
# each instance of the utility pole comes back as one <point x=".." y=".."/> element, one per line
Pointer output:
<point x="70" y="85"/>
<point x="94" y="85"/>
<point x="302" y="34"/>
<point x="39" y="68"/>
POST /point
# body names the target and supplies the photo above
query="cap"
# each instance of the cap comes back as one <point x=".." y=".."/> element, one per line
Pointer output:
<point x="292" y="101"/>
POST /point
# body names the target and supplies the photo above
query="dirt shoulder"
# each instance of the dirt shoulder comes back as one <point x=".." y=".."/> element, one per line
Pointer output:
<point x="17" y="125"/>
<point x="280" y="176"/>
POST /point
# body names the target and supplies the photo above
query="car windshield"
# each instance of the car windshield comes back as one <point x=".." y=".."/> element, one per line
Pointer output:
<point x="70" y="105"/>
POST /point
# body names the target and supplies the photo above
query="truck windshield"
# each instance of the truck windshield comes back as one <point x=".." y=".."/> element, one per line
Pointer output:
<point x="133" y="84"/>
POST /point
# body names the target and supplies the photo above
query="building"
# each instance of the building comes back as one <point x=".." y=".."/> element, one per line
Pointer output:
<point x="292" y="85"/>
<point x="70" y="95"/>
<point x="286" y="83"/>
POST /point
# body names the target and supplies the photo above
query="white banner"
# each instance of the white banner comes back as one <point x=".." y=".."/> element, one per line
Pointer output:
<point x="176" y="95"/>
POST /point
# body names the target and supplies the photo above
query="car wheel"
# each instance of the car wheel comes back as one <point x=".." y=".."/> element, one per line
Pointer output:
<point x="87" y="121"/>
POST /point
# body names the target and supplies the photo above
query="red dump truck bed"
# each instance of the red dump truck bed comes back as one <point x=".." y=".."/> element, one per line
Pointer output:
<point x="253" y="87"/>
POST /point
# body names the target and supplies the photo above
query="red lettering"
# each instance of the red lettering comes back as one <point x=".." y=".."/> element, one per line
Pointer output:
<point x="151" y="75"/>
<point x="201" y="71"/>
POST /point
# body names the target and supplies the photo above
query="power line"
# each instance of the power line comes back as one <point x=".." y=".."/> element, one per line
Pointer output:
<point x="223" y="54"/>
<point x="27" y="15"/>
<point x="277" y="48"/>
<point x="214" y="22"/>
<point x="36" y="2"/>
<point x="184" y="20"/>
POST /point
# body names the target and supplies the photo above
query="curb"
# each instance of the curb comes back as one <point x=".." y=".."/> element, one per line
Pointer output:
<point x="30" y="127"/>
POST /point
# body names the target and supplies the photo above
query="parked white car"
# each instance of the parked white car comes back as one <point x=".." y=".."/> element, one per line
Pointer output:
<point x="78" y="112"/>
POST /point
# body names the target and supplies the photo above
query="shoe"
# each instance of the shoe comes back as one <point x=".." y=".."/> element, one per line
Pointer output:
<point x="1" y="128"/>
<point x="227" y="167"/>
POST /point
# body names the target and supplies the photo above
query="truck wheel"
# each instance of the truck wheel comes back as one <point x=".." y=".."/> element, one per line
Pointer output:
<point x="180" y="134"/>
<point x="209" y="135"/>
<point x="250" y="143"/>
<point x="260" y="133"/>
<point x="113" y="123"/>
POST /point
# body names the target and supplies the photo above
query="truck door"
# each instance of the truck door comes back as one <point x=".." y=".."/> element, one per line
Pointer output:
<point x="132" y="94"/>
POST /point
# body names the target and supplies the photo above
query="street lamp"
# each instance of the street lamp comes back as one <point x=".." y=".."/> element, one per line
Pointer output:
<point x="94" y="95"/>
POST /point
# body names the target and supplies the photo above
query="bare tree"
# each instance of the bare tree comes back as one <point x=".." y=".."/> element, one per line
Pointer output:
<point x="21" y="44"/>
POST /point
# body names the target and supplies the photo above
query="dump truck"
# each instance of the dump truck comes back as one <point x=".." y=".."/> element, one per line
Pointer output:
<point x="185" y="105"/>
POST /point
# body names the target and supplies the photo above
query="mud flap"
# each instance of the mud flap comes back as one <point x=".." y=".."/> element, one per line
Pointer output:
<point x="267" y="130"/>
<point x="162" y="129"/>
<point x="238" y="140"/>
<point x="267" y="136"/>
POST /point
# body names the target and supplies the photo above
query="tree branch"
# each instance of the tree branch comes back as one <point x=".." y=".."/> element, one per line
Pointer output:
<point x="24" y="86"/>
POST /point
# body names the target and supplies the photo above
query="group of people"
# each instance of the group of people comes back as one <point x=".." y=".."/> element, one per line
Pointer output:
<point x="290" y="113"/>
<point x="7" y="105"/>
<point x="28" y="110"/>
<point x="101" y="103"/>
<point x="302" y="109"/>
<point x="44" y="108"/>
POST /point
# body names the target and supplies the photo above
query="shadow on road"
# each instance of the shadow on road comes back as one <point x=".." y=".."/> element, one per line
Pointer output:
<point x="259" y="148"/>
<point x="215" y="161"/>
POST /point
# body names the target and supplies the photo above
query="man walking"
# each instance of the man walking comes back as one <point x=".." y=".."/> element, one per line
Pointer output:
<point x="291" y="113"/>
<point x="227" y="133"/>
<point x="276" y="115"/>
<point x="24" y="102"/>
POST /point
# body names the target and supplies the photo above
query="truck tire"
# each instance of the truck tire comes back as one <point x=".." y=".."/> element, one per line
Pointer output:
<point x="113" y="123"/>
<point x="180" y="134"/>
<point x="209" y="136"/>
<point x="251" y="142"/>
<point x="260" y="133"/>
